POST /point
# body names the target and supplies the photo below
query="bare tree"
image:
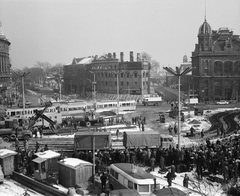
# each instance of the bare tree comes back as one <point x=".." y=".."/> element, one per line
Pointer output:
<point x="205" y="187"/>
<point x="155" y="66"/>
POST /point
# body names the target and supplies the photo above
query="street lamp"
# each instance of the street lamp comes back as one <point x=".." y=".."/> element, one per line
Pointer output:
<point x="23" y="75"/>
<point x="178" y="73"/>
<point x="117" y="73"/>
<point x="93" y="85"/>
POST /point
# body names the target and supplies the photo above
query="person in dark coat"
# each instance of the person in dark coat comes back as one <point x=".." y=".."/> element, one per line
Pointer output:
<point x="169" y="177"/>
<point x="103" y="179"/>
<point x="185" y="181"/>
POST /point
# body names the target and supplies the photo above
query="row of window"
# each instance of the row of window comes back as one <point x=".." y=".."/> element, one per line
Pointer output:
<point x="114" y="83"/>
<point x="122" y="75"/>
<point x="223" y="68"/>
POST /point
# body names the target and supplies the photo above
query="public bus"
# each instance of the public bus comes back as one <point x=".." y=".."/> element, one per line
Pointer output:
<point x="112" y="106"/>
<point x="128" y="176"/>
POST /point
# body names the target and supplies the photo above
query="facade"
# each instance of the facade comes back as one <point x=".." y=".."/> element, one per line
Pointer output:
<point x="216" y="64"/>
<point x="5" y="64"/>
<point x="76" y="75"/>
<point x="106" y="74"/>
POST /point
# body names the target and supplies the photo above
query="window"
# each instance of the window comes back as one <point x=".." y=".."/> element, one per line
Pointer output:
<point x="135" y="75"/>
<point x="127" y="75"/>
<point x="130" y="185"/>
<point x="115" y="83"/>
<point x="135" y="83"/>
<point x="143" y="74"/>
<point x="127" y="83"/>
<point x="115" y="175"/>
<point x="106" y="83"/>
<point x="121" y="75"/>
<point x="143" y="188"/>
<point x="143" y="83"/>
<point x="121" y="83"/>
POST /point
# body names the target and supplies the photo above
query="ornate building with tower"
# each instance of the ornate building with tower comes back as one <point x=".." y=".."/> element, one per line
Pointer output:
<point x="5" y="64"/>
<point x="216" y="64"/>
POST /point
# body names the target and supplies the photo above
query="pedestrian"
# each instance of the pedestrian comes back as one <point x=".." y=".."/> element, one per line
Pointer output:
<point x="169" y="178"/>
<point x="152" y="163"/>
<point x="202" y="133"/>
<point x="103" y="179"/>
<point x="35" y="130"/>
<point x="175" y="128"/>
<point x="26" y="145"/>
<point x="142" y="126"/>
<point x="185" y="181"/>
<point x="41" y="132"/>
<point x="37" y="147"/>
<point x="45" y="147"/>
<point x="117" y="133"/>
<point x="170" y="130"/>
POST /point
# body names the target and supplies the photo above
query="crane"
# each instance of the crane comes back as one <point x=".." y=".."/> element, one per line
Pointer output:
<point x="39" y="114"/>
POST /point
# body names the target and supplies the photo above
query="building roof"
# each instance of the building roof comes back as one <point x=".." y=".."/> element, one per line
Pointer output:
<point x="74" y="162"/>
<point x="6" y="153"/>
<point x="138" y="174"/>
<point x="49" y="154"/>
<point x="81" y="61"/>
<point x="205" y="28"/>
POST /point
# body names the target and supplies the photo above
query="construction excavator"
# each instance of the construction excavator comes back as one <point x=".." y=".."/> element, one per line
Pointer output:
<point x="40" y="114"/>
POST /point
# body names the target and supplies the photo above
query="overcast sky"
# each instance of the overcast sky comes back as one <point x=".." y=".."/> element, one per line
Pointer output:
<point x="57" y="31"/>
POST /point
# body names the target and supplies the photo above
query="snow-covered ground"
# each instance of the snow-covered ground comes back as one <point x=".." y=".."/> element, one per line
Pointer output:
<point x="197" y="188"/>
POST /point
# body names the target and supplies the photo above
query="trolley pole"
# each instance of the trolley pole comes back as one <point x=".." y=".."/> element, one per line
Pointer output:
<point x="178" y="73"/>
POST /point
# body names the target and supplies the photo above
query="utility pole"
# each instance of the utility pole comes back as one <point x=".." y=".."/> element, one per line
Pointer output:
<point x="93" y="86"/>
<point x="22" y="76"/>
<point x="178" y="73"/>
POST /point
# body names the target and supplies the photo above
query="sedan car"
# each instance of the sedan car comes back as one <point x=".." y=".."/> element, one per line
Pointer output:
<point x="222" y="102"/>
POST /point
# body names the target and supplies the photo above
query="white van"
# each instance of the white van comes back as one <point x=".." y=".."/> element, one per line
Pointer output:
<point x="152" y="101"/>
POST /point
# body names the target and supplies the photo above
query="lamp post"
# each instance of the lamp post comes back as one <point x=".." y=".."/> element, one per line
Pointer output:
<point x="22" y="76"/>
<point x="178" y="72"/>
<point x="93" y="86"/>
<point x="117" y="73"/>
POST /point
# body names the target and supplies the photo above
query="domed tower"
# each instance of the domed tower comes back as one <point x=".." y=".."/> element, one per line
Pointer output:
<point x="185" y="59"/>
<point x="205" y="36"/>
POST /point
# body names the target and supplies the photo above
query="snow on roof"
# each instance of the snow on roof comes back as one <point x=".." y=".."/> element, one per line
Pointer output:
<point x="73" y="162"/>
<point x="49" y="154"/>
<point x="6" y="153"/>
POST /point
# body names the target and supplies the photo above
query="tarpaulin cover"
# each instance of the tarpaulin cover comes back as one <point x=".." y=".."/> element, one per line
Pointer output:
<point x="141" y="139"/>
<point x="84" y="140"/>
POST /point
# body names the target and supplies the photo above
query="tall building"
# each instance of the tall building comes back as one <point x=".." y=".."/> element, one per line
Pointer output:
<point x="216" y="64"/>
<point x="5" y="64"/>
<point x="108" y="73"/>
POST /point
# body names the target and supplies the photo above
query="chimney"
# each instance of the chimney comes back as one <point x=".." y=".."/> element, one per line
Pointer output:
<point x="114" y="55"/>
<point x="131" y="56"/>
<point x="109" y="55"/>
<point x="138" y="57"/>
<point x="121" y="56"/>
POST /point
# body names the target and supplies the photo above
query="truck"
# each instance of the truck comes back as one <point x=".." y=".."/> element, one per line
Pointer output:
<point x="151" y="139"/>
<point x="152" y="101"/>
<point x="9" y="134"/>
<point x="191" y="101"/>
<point x="84" y="140"/>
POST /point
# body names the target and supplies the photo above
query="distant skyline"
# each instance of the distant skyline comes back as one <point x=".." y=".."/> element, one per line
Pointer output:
<point x="56" y="31"/>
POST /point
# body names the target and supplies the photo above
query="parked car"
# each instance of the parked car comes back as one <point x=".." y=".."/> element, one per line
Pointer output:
<point x="222" y="102"/>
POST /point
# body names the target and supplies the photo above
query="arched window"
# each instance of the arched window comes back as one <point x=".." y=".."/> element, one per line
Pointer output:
<point x="228" y="68"/>
<point x="237" y="68"/>
<point x="206" y="67"/>
<point x="218" y="68"/>
<point x="135" y="74"/>
<point x="122" y="75"/>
